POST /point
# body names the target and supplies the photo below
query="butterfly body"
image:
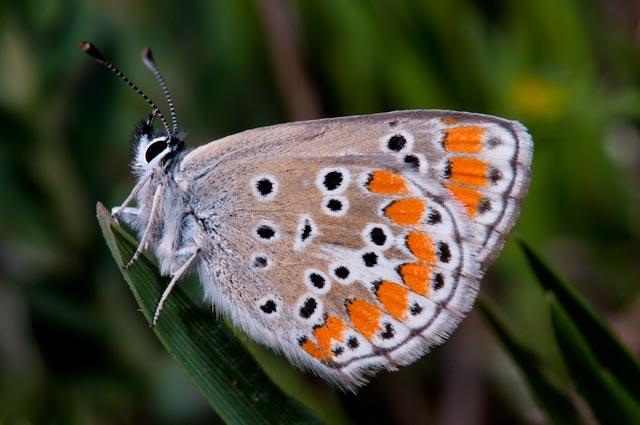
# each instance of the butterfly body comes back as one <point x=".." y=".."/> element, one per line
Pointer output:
<point x="349" y="245"/>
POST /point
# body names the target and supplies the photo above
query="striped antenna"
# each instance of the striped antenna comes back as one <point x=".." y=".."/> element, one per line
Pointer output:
<point x="92" y="51"/>
<point x="147" y="58"/>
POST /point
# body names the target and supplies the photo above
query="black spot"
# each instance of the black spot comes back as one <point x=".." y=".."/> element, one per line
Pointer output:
<point x="376" y="286"/>
<point x="413" y="161"/>
<point x="306" y="231"/>
<point x="261" y="262"/>
<point x="264" y="186"/>
<point x="389" y="332"/>
<point x="353" y="343"/>
<point x="393" y="123"/>
<point x="445" y="252"/>
<point x="302" y="340"/>
<point x="369" y="180"/>
<point x="341" y="272"/>
<point x="494" y="175"/>
<point x="416" y="309"/>
<point x="397" y="143"/>
<point x="317" y="280"/>
<point x="334" y="205"/>
<point x="265" y="232"/>
<point x="493" y="142"/>
<point x="308" y="308"/>
<point x="337" y="351"/>
<point x="438" y="281"/>
<point x="447" y="170"/>
<point x="484" y="206"/>
<point x="377" y="236"/>
<point x="370" y="259"/>
<point x="333" y="180"/>
<point x="154" y="149"/>
<point x="434" y="217"/>
<point x="269" y="307"/>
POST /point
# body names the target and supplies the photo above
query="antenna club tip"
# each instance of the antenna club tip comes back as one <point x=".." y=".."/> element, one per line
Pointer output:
<point x="146" y="56"/>
<point x="92" y="51"/>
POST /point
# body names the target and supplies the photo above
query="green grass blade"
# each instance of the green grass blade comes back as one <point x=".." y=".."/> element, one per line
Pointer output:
<point x="219" y="366"/>
<point x="606" y="346"/>
<point x="608" y="399"/>
<point x="546" y="387"/>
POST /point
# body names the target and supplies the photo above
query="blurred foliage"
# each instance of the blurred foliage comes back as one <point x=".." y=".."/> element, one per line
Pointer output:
<point x="74" y="348"/>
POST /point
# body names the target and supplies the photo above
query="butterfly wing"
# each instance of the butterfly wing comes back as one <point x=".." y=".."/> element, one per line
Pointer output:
<point x="358" y="243"/>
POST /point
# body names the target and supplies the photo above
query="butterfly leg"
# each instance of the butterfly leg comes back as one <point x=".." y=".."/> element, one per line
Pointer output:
<point x="116" y="211"/>
<point x="177" y="275"/>
<point x="157" y="197"/>
<point x="129" y="214"/>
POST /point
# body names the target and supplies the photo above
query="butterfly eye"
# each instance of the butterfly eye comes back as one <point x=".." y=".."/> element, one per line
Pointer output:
<point x="154" y="149"/>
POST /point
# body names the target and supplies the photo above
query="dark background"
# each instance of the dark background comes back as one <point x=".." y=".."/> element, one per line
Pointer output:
<point x="73" y="347"/>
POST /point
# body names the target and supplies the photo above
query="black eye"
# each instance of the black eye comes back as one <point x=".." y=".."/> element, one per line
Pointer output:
<point x="154" y="150"/>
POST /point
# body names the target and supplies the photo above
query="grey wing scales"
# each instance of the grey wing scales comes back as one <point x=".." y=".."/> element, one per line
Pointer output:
<point x="356" y="244"/>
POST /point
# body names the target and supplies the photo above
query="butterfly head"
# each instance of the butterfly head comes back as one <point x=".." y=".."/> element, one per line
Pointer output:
<point x="153" y="149"/>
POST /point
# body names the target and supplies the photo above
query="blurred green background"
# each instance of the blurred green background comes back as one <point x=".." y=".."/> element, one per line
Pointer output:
<point x="74" y="348"/>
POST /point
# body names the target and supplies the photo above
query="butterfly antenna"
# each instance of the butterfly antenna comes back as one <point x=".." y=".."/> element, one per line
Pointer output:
<point x="93" y="51"/>
<point x="147" y="58"/>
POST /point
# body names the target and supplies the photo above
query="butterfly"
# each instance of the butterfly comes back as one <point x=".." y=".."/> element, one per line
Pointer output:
<point x="350" y="245"/>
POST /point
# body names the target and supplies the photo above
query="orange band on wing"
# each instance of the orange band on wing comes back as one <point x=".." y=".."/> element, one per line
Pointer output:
<point x="405" y="212"/>
<point x="365" y="317"/>
<point x="416" y="276"/>
<point x="469" y="197"/>
<point x="464" y="139"/>
<point x="331" y="330"/>
<point x="421" y="245"/>
<point x="469" y="171"/>
<point x="394" y="298"/>
<point x="313" y="350"/>
<point x="388" y="183"/>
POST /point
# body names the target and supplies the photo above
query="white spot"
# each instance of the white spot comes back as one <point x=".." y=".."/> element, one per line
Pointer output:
<point x="304" y="224"/>
<point x="261" y="261"/>
<point x="335" y="206"/>
<point x="343" y="273"/>
<point x="264" y="187"/>
<point x="499" y="143"/>
<point x="338" y="179"/>
<point x="266" y="232"/>
<point x="421" y="310"/>
<point x="391" y="142"/>
<point x="269" y="306"/>
<point x="354" y="344"/>
<point x="391" y="332"/>
<point x="422" y="162"/>
<point x="377" y="236"/>
<point x="317" y="281"/>
<point x="313" y="310"/>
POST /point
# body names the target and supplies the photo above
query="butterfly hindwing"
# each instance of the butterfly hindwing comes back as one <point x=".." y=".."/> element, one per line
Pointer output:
<point x="355" y="244"/>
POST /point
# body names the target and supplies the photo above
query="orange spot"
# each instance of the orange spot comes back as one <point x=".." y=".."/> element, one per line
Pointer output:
<point x="405" y="212"/>
<point x="365" y="317"/>
<point x="469" y="197"/>
<point x="313" y="350"/>
<point x="332" y="329"/>
<point x="464" y="139"/>
<point x="421" y="245"/>
<point x="416" y="276"/>
<point x="394" y="298"/>
<point x="450" y="120"/>
<point x="388" y="183"/>
<point x="469" y="171"/>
